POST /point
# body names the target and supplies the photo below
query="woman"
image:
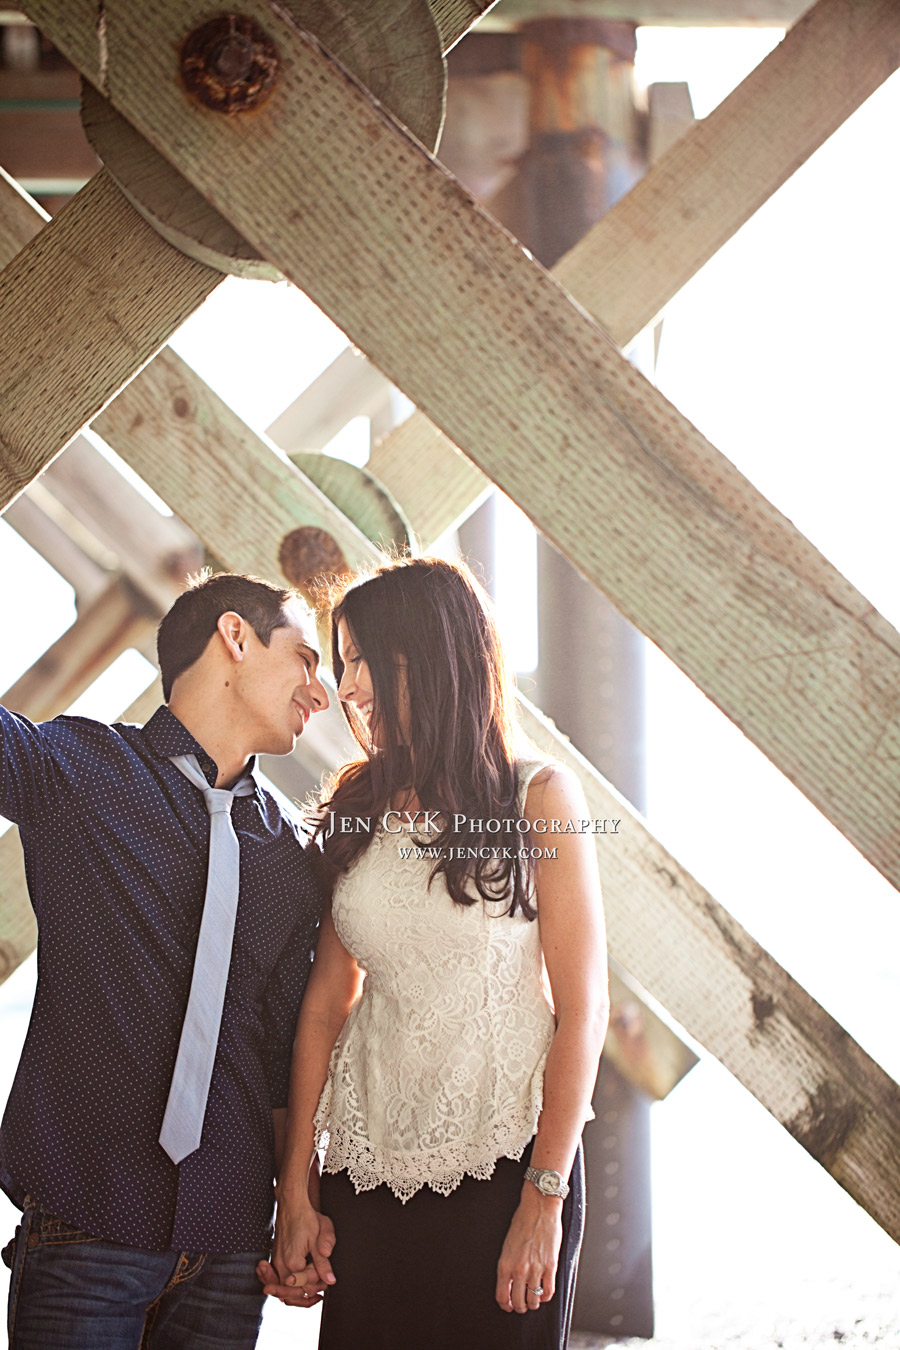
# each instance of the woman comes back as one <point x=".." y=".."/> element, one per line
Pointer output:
<point x="451" y="1096"/>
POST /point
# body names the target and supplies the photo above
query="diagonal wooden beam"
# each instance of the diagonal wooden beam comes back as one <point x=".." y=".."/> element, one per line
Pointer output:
<point x="713" y="179"/>
<point x="456" y="17"/>
<point x="20" y="217"/>
<point x="683" y="210"/>
<point x="349" y="387"/>
<point x="739" y="1003"/>
<point x="668" y="933"/>
<point x="153" y="551"/>
<point x="188" y="445"/>
<point x="110" y="250"/>
<point x="18" y="926"/>
<point x="619" y="257"/>
<point x="530" y="388"/>
<point x="670" y="13"/>
<point x="118" y="619"/>
<point x="85" y="566"/>
<point x="97" y="279"/>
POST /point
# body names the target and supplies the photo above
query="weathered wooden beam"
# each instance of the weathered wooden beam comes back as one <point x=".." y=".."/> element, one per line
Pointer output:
<point x="454" y="18"/>
<point x="670" y="114"/>
<point x="437" y="486"/>
<point x="18" y="926"/>
<point x="155" y="552"/>
<point x="735" y="999"/>
<point x="83" y="570"/>
<point x="349" y="387"/>
<point x="18" y="929"/>
<point x="161" y="398"/>
<point x="20" y="218"/>
<point x="719" y="173"/>
<point x="681" y="212"/>
<point x="118" y="619"/>
<point x="97" y="279"/>
<point x="533" y="390"/>
<point x="509" y="14"/>
<point x="222" y="479"/>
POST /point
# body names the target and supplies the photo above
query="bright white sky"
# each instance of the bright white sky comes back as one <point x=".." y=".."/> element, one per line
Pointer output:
<point x="783" y="351"/>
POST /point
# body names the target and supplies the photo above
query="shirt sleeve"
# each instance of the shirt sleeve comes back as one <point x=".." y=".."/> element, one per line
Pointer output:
<point x="282" y="999"/>
<point x="35" y="770"/>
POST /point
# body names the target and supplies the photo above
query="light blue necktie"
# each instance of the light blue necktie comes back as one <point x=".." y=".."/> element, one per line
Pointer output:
<point x="186" y="1106"/>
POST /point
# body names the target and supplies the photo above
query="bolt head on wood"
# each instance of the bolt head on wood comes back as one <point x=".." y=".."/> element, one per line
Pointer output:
<point x="229" y="64"/>
<point x="311" y="558"/>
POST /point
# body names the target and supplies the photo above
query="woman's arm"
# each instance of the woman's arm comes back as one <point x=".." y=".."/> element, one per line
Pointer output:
<point x="573" y="940"/>
<point x="334" y="986"/>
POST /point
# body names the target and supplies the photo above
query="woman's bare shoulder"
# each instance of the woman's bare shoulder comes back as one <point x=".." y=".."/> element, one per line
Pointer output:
<point x="554" y="787"/>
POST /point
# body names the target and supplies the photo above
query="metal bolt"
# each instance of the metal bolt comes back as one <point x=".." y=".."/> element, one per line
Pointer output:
<point x="229" y="64"/>
<point x="310" y="558"/>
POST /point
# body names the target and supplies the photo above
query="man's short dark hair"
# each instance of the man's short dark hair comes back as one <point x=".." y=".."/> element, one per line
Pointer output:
<point x="187" y="628"/>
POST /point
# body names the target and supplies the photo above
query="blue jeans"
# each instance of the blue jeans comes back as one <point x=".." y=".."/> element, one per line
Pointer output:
<point x="71" y="1291"/>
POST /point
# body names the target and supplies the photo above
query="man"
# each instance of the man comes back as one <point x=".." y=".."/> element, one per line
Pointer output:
<point x="177" y="921"/>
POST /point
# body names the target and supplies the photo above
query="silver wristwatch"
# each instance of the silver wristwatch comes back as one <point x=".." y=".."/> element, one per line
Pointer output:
<point x="547" y="1181"/>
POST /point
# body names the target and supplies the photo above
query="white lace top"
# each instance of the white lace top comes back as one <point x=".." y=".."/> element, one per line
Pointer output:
<point x="439" y="1068"/>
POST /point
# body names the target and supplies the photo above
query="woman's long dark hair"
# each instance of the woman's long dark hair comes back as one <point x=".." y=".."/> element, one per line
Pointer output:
<point x="433" y="620"/>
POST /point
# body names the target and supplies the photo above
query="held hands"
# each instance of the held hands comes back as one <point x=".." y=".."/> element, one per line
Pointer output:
<point x="300" y="1269"/>
<point x="526" y="1271"/>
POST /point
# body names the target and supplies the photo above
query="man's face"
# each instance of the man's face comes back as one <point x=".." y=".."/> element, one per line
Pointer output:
<point x="278" y="686"/>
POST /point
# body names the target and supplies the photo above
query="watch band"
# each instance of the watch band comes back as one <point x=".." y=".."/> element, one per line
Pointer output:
<point x="547" y="1181"/>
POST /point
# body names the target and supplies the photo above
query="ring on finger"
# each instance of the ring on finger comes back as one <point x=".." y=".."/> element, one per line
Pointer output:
<point x="537" y="1292"/>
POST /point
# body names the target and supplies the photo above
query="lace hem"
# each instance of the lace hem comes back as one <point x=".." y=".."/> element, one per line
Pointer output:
<point x="369" y="1165"/>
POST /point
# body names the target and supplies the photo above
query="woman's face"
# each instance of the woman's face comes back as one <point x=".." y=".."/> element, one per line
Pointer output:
<point x="356" y="685"/>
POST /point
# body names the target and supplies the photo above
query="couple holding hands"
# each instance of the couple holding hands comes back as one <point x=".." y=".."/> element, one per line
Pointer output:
<point x="223" y="997"/>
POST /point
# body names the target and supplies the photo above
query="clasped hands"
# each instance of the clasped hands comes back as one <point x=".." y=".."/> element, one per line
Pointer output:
<point x="300" y="1269"/>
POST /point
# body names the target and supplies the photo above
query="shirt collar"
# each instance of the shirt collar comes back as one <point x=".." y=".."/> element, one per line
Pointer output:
<point x="166" y="737"/>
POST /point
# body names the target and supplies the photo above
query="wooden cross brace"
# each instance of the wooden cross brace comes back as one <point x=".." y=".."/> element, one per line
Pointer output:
<point x="526" y="382"/>
<point x="325" y="184"/>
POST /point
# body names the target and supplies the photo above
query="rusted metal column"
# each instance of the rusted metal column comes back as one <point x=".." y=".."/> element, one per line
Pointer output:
<point x="485" y="132"/>
<point x="585" y="151"/>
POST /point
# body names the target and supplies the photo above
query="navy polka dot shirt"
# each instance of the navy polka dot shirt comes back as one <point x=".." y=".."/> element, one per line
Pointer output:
<point x="116" y="844"/>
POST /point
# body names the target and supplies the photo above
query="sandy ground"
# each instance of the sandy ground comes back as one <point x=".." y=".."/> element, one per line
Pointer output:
<point x="816" y="1314"/>
<point x="821" y="1316"/>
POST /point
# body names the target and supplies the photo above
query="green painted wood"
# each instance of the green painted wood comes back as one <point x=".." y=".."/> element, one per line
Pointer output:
<point x="360" y="496"/>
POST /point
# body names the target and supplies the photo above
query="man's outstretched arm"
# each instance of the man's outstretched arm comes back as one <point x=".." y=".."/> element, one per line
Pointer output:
<point x="35" y="772"/>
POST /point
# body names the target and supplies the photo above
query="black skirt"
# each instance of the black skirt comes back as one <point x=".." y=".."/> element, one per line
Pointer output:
<point x="422" y="1276"/>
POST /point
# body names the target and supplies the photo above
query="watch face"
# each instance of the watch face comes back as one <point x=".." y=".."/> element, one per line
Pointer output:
<point x="550" y="1183"/>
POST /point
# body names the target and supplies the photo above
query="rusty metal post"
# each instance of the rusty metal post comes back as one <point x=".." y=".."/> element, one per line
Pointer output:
<point x="584" y="151"/>
<point x="485" y="131"/>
